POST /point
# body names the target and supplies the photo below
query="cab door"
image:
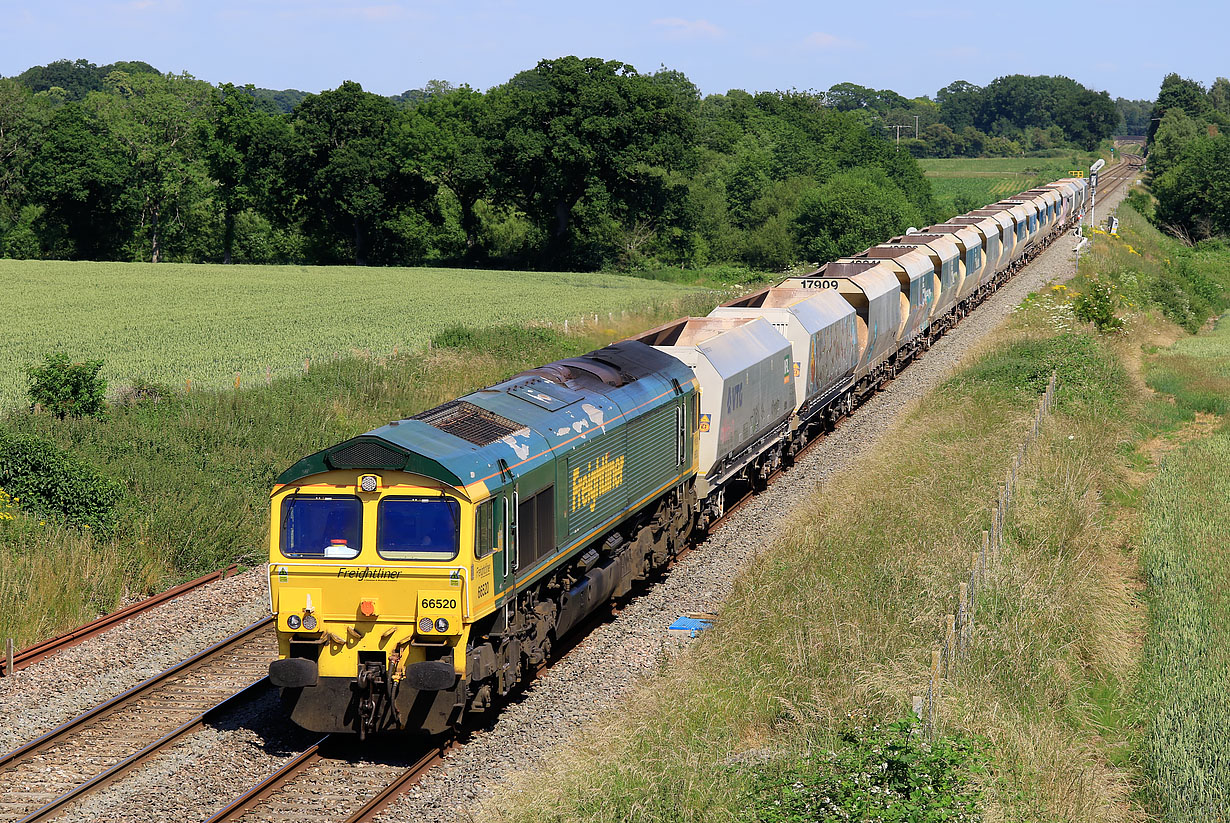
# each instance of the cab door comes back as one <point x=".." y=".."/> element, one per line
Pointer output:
<point x="486" y="556"/>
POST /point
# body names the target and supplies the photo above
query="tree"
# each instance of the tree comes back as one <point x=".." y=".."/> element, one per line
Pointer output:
<point x="242" y="145"/>
<point x="1171" y="138"/>
<point x="77" y="78"/>
<point x="350" y="180"/>
<point x="80" y="176"/>
<point x="853" y="211"/>
<point x="575" y="128"/>
<point x="1178" y="93"/>
<point x="1193" y="194"/>
<point x="1219" y="95"/>
<point x="449" y="138"/>
<point x="23" y="118"/>
<point x="154" y="117"/>
<point x="1133" y="115"/>
<point x="960" y="103"/>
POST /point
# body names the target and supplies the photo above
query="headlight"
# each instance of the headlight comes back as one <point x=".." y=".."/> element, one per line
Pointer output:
<point x="309" y="622"/>
<point x="441" y="625"/>
<point x="293" y="621"/>
<point x="425" y="625"/>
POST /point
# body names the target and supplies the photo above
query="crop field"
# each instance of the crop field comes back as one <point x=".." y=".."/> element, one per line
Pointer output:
<point x="172" y="323"/>
<point x="985" y="180"/>
<point x="1187" y="652"/>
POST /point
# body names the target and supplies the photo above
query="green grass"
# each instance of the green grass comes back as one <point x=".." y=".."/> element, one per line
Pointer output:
<point x="1187" y="656"/>
<point x="961" y="184"/>
<point x="176" y="322"/>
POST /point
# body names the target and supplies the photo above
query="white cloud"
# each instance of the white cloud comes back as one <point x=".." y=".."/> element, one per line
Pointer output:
<point x="679" y="29"/>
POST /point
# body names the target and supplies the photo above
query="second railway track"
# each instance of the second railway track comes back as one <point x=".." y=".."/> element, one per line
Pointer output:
<point x="90" y="751"/>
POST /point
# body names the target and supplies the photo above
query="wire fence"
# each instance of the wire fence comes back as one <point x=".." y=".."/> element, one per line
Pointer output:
<point x="958" y="627"/>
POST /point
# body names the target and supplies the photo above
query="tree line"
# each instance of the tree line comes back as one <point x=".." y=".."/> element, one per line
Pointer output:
<point x="575" y="163"/>
<point x="1010" y="116"/>
<point x="1189" y="158"/>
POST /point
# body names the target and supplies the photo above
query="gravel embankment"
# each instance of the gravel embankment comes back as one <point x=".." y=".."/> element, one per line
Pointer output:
<point x="214" y="765"/>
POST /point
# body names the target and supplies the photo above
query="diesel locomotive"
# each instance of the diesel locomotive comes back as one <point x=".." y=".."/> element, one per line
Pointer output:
<point x="421" y="571"/>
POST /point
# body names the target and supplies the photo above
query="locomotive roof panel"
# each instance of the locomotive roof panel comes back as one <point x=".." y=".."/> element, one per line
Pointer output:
<point x="513" y="426"/>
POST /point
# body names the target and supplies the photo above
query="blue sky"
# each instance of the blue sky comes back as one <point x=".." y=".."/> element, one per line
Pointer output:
<point x="913" y="47"/>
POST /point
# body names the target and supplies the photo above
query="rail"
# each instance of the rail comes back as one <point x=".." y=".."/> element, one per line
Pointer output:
<point x="45" y="648"/>
<point x="91" y="750"/>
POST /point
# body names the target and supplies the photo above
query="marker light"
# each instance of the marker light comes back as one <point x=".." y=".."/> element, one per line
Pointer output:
<point x="309" y="622"/>
<point x="293" y="621"/>
<point x="425" y="624"/>
<point x="369" y="483"/>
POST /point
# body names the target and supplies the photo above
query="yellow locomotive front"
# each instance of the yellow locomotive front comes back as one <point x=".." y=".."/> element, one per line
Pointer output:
<point x="373" y="582"/>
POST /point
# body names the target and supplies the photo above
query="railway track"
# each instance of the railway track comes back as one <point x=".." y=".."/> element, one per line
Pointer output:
<point x="94" y="749"/>
<point x="45" y="648"/>
<point x="333" y="780"/>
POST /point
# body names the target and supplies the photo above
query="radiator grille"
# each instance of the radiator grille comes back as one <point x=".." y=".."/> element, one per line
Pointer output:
<point x="469" y="422"/>
<point x="366" y="454"/>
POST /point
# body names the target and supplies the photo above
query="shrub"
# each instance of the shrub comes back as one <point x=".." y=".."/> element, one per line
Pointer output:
<point x="1096" y="305"/>
<point x="51" y="483"/>
<point x="68" y="389"/>
<point x="881" y="773"/>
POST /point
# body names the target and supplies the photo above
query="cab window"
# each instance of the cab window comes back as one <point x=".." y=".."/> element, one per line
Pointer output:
<point x="484" y="530"/>
<point x="417" y="528"/>
<point x="318" y="526"/>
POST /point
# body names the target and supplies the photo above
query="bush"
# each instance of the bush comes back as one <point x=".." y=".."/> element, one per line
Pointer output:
<point x="51" y="483"/>
<point x="1096" y="305"/>
<point x="68" y="389"/>
<point x="851" y="212"/>
<point x="881" y="773"/>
